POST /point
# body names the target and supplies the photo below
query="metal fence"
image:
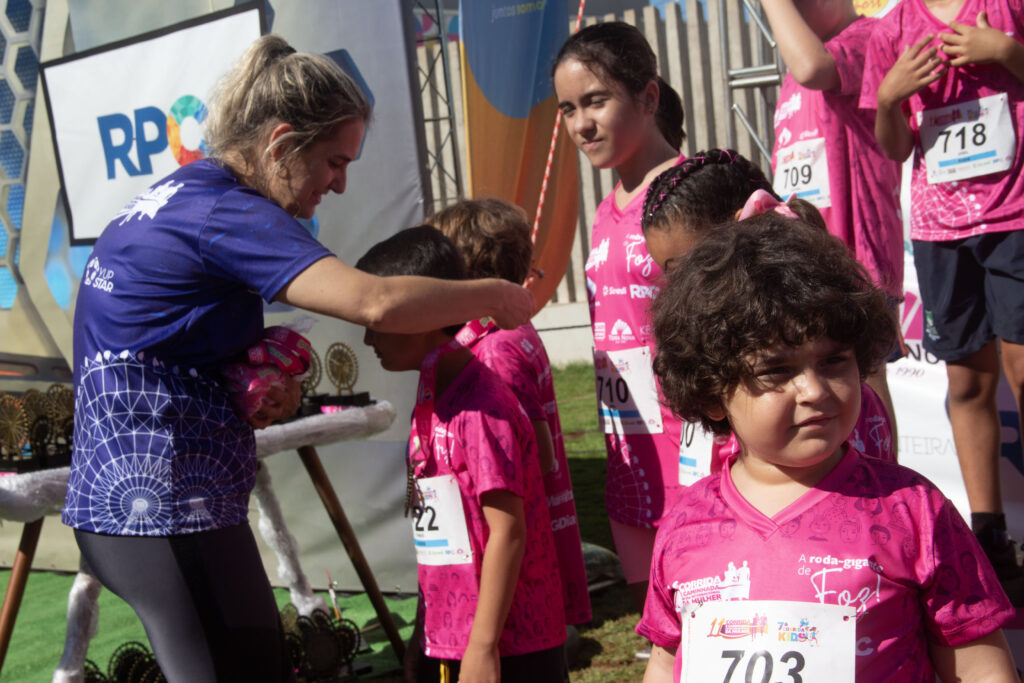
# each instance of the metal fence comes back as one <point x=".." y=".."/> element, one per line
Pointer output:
<point x="718" y="56"/>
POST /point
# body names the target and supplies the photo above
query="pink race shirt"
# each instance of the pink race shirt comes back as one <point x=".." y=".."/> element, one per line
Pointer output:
<point x="956" y="209"/>
<point x="825" y="152"/>
<point x="519" y="359"/>
<point x="480" y="434"/>
<point x="872" y="435"/>
<point x="873" y="535"/>
<point x="641" y="435"/>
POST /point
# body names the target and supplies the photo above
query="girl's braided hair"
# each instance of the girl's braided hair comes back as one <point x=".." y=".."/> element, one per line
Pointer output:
<point x="708" y="189"/>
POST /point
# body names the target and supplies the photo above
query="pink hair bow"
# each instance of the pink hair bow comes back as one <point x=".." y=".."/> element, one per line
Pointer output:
<point x="761" y="202"/>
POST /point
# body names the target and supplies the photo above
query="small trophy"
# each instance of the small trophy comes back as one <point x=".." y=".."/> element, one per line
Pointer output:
<point x="342" y="369"/>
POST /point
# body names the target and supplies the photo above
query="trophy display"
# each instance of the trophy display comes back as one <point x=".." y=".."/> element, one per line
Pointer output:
<point x="342" y="369"/>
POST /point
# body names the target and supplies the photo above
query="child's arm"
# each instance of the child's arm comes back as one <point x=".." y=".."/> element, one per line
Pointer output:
<point x="985" y="660"/>
<point x="915" y="69"/>
<point x="983" y="44"/>
<point x="803" y="52"/>
<point x="545" y="445"/>
<point x="659" y="666"/>
<point x="503" y="557"/>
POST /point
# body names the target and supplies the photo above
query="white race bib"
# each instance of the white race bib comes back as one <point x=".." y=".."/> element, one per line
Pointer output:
<point x="627" y="397"/>
<point x="439" y="529"/>
<point x="767" y="641"/>
<point x="967" y="140"/>
<point x="802" y="168"/>
<point x="695" y="450"/>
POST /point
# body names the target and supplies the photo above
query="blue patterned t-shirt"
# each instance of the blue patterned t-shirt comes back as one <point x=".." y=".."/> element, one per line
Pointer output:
<point x="173" y="289"/>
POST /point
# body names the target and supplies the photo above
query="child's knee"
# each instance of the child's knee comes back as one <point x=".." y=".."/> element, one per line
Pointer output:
<point x="967" y="385"/>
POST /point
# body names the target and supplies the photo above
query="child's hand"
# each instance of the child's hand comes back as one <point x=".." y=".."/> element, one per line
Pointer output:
<point x="979" y="44"/>
<point x="480" y="664"/>
<point x="916" y="68"/>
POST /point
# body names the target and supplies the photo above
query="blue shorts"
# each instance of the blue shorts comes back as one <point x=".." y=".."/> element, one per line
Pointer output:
<point x="972" y="291"/>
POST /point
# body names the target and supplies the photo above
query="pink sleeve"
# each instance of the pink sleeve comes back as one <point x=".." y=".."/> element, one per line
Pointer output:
<point x="660" y="621"/>
<point x="848" y="52"/>
<point x="879" y="56"/>
<point x="496" y="449"/>
<point x="514" y="368"/>
<point x="962" y="599"/>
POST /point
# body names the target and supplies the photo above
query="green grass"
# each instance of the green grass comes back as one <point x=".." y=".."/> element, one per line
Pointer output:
<point x="608" y="643"/>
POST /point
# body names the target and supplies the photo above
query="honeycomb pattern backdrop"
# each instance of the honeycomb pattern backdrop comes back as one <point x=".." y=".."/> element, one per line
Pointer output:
<point x="20" y="30"/>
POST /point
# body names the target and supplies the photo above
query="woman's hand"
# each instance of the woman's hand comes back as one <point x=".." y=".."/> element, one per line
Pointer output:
<point x="514" y="306"/>
<point x="281" y="401"/>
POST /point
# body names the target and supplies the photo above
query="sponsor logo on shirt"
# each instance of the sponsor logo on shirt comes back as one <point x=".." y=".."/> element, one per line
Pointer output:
<point x="149" y="202"/>
<point x="613" y="291"/>
<point x="621" y="332"/>
<point x="97" y="276"/>
<point x="598" y="255"/>
<point x="560" y="498"/>
<point x="637" y="256"/>
<point x="440" y="441"/>
<point x="787" y="109"/>
<point x="563" y="522"/>
<point x="599" y="331"/>
<point x="734" y="584"/>
<point x="526" y="346"/>
<point x="808" y="134"/>
<point x="643" y="291"/>
<point x="826" y="594"/>
<point x="785" y="135"/>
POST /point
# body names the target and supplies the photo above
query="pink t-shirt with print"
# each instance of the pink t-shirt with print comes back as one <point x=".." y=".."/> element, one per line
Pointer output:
<point x="872" y="435"/>
<point x="857" y="187"/>
<point x="479" y="433"/>
<point x="973" y="206"/>
<point x="872" y="534"/>
<point x="622" y="279"/>
<point x="519" y="358"/>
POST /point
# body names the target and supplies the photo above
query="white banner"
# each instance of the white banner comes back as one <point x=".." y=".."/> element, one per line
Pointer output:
<point x="919" y="392"/>
<point x="127" y="114"/>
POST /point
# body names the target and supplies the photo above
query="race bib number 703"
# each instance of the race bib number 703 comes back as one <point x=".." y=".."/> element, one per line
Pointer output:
<point x="767" y="641"/>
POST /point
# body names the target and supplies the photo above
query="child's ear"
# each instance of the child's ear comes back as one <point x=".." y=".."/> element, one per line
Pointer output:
<point x="650" y="95"/>
<point x="716" y="414"/>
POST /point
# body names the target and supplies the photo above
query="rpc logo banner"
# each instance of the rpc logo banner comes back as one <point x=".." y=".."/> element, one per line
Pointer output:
<point x="125" y="115"/>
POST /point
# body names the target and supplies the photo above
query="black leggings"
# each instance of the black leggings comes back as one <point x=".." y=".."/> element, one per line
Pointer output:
<point x="204" y="600"/>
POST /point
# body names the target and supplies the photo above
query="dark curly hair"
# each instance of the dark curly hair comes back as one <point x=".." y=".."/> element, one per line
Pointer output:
<point x="748" y="286"/>
<point x="620" y="52"/>
<point x="708" y="189"/>
<point x="492" y="235"/>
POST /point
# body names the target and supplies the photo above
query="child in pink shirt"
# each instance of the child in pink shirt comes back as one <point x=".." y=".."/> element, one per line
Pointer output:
<point x="624" y="117"/>
<point x="490" y="596"/>
<point x="494" y="239"/>
<point x="703" y="192"/>
<point x="947" y="80"/>
<point x="825" y="149"/>
<point x="802" y="554"/>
